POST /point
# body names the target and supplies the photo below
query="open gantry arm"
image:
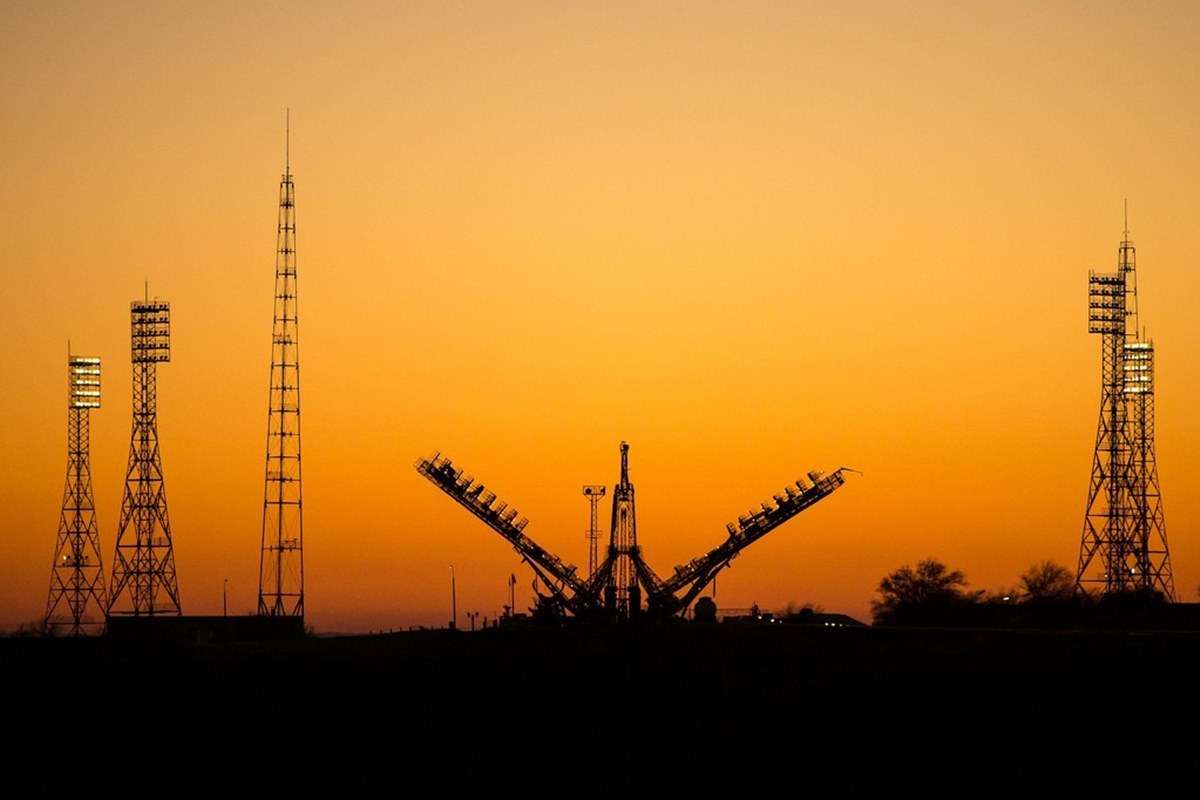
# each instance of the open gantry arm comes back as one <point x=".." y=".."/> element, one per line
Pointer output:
<point x="560" y="578"/>
<point x="676" y="592"/>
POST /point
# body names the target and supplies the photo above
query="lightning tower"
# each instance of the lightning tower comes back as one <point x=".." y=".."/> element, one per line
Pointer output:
<point x="594" y="494"/>
<point x="143" y="581"/>
<point x="1124" y="543"/>
<point x="281" y="558"/>
<point x="77" y="600"/>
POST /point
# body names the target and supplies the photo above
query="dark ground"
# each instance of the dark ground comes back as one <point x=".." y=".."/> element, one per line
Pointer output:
<point x="542" y="711"/>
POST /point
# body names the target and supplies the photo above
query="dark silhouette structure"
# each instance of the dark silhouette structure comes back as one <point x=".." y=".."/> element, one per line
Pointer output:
<point x="143" y="581"/>
<point x="1124" y="542"/>
<point x="616" y="588"/>
<point x="281" y="556"/>
<point x="594" y="495"/>
<point x="622" y="589"/>
<point x="77" y="600"/>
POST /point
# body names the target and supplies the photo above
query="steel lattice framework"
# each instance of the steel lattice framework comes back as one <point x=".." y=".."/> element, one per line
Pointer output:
<point x="144" y="582"/>
<point x="622" y="589"/>
<point x="1124" y="542"/>
<point x="281" y="558"/>
<point x="77" y="601"/>
<point x="594" y="494"/>
<point x="600" y="595"/>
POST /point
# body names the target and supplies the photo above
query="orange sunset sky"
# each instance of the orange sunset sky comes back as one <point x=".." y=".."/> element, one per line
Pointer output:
<point x="752" y="239"/>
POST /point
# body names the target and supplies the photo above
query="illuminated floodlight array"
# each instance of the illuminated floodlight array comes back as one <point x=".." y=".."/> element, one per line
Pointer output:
<point x="151" y="331"/>
<point x="83" y="373"/>
<point x="1139" y="368"/>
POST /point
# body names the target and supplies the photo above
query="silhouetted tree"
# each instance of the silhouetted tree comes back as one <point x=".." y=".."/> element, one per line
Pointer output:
<point x="1047" y="581"/>
<point x="929" y="593"/>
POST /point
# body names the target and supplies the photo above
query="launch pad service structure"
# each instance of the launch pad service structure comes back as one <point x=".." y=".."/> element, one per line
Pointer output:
<point x="616" y="588"/>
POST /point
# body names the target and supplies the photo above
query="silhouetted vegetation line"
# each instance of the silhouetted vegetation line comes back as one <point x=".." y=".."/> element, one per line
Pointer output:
<point x="932" y="594"/>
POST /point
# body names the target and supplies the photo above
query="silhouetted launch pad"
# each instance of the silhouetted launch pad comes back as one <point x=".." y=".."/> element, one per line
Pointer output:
<point x="615" y="588"/>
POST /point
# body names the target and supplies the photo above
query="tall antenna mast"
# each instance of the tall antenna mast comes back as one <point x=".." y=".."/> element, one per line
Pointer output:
<point x="77" y="600"/>
<point x="281" y="557"/>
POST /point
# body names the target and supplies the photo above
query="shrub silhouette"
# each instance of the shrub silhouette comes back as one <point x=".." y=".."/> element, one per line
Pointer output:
<point x="929" y="593"/>
<point x="1046" y="582"/>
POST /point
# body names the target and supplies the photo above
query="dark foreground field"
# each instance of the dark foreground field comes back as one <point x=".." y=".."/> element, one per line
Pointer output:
<point x="545" y="712"/>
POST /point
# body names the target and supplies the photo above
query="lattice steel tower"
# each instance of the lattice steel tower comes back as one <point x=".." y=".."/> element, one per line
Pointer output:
<point x="1124" y="543"/>
<point x="144" y="582"/>
<point x="622" y="594"/>
<point x="77" y="600"/>
<point x="281" y="559"/>
<point x="594" y="494"/>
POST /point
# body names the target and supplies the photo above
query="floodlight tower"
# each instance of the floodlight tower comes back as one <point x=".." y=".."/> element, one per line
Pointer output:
<point x="622" y="594"/>
<point x="77" y="600"/>
<point x="1149" y="529"/>
<point x="1124" y="544"/>
<point x="594" y="493"/>
<point x="281" y="556"/>
<point x="143" y="581"/>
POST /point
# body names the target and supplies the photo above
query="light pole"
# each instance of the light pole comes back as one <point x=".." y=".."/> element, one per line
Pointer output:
<point x="453" y="601"/>
<point x="225" y="598"/>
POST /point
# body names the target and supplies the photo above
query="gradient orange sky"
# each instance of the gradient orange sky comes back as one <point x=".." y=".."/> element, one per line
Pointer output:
<point x="752" y="239"/>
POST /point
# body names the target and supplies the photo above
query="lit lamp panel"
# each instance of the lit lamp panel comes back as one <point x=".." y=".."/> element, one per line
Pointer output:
<point x="84" y="375"/>
<point x="1139" y="368"/>
<point x="151" y="334"/>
